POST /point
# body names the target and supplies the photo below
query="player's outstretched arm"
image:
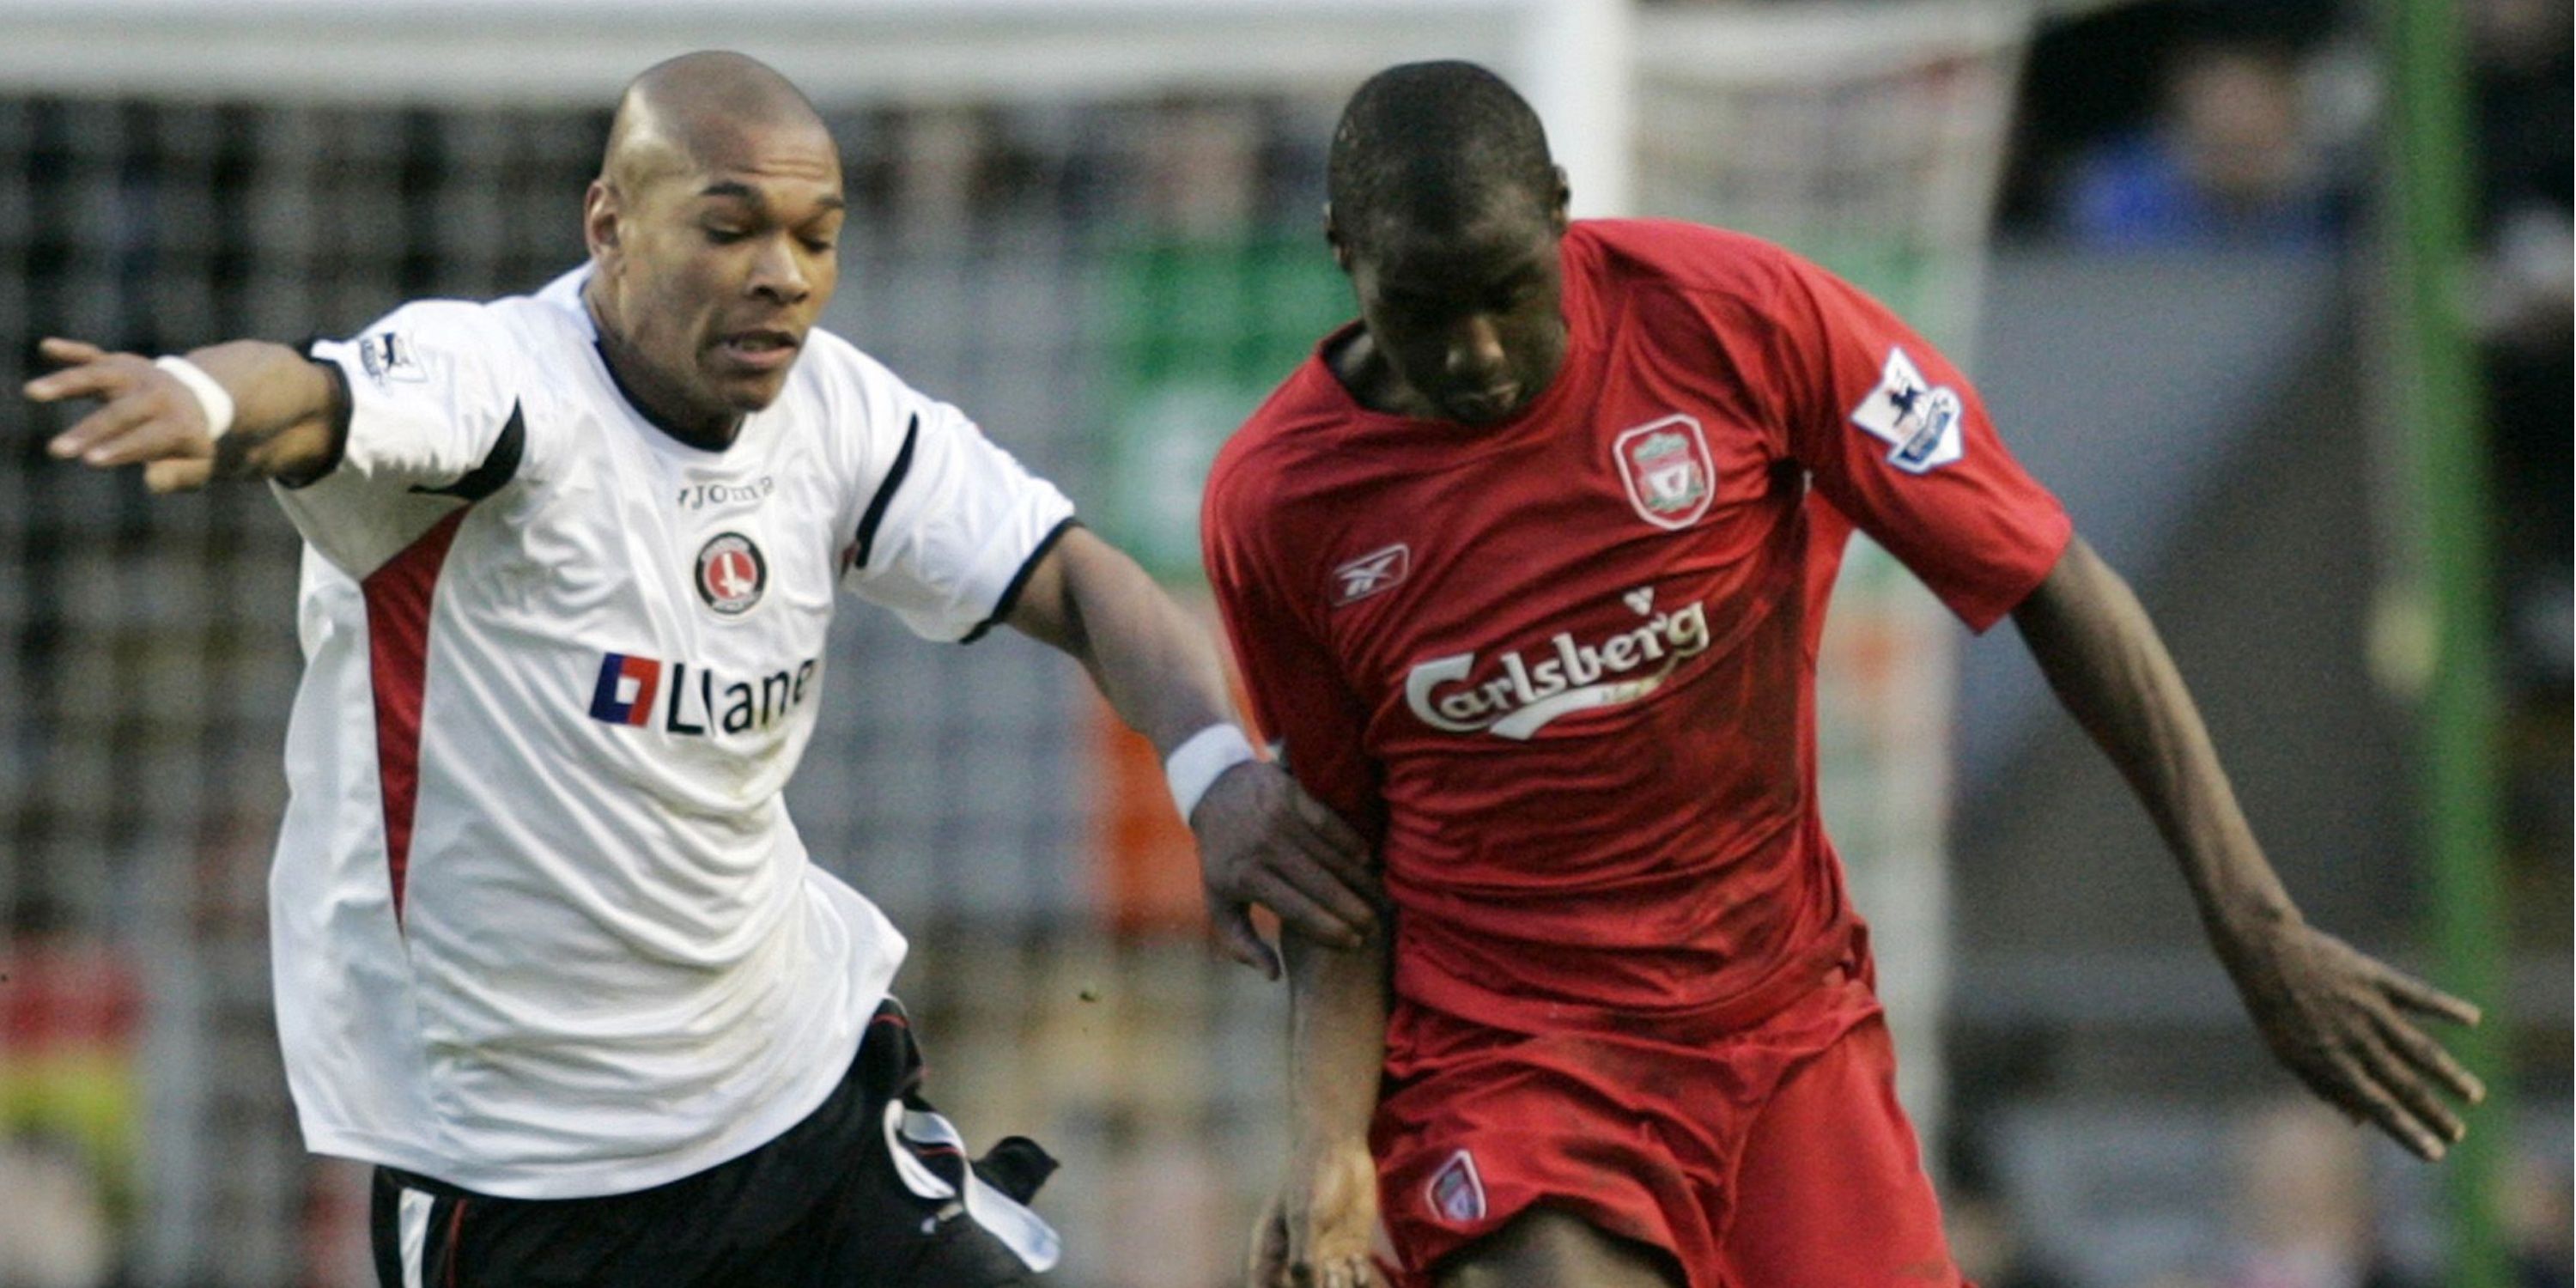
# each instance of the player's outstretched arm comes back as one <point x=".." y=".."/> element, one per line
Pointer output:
<point x="285" y="414"/>
<point x="1261" y="837"/>
<point x="1317" y="1231"/>
<point x="2343" y="1021"/>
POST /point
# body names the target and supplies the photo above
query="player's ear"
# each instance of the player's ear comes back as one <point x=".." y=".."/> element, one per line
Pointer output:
<point x="1560" y="201"/>
<point x="599" y="219"/>
<point x="1333" y="238"/>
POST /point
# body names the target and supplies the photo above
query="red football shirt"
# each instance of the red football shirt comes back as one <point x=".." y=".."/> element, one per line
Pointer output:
<point x="1562" y="668"/>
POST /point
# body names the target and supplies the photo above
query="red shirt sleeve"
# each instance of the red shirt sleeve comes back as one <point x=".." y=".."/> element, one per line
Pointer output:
<point x="1300" y="702"/>
<point x="1898" y="440"/>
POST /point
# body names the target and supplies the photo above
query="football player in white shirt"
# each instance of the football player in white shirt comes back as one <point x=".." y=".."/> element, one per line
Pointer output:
<point x="548" y="950"/>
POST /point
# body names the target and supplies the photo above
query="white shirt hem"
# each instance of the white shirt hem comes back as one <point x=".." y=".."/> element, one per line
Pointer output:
<point x="599" y="1179"/>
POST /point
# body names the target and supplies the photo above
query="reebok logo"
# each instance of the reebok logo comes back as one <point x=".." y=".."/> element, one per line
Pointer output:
<point x="1370" y="573"/>
<point x="1518" y="694"/>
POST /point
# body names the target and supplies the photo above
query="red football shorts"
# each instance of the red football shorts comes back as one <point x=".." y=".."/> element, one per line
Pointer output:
<point x="1775" y="1157"/>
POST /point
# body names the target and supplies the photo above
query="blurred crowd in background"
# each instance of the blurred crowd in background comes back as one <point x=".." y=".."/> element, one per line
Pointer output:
<point x="2142" y="130"/>
<point x="2304" y="1213"/>
<point x="2163" y="126"/>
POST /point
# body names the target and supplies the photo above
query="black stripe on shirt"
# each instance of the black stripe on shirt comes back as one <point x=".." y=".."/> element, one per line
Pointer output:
<point x="885" y="493"/>
<point x="1020" y="580"/>
<point x="499" y="466"/>
<point x="338" y="414"/>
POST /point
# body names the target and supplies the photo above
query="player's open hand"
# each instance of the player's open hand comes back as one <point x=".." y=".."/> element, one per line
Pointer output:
<point x="148" y="417"/>
<point x="1263" y="840"/>
<point x="1320" y="1229"/>
<point x="2345" y="1022"/>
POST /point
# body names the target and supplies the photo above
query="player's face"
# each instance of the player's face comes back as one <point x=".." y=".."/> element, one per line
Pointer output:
<point x="724" y="267"/>
<point x="1468" y="319"/>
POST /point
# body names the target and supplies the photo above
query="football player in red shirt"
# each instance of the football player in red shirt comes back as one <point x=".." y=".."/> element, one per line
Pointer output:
<point x="1525" y="571"/>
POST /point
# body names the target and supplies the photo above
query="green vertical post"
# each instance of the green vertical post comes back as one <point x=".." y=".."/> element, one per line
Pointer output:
<point x="2438" y="398"/>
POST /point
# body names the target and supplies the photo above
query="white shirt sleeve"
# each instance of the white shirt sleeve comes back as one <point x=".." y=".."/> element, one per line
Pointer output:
<point x="953" y="524"/>
<point x="435" y="423"/>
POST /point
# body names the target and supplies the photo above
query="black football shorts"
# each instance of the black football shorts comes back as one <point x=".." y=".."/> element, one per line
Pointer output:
<point x="872" y="1190"/>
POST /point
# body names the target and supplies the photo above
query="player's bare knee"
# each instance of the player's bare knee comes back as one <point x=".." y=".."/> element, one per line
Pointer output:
<point x="1547" y="1247"/>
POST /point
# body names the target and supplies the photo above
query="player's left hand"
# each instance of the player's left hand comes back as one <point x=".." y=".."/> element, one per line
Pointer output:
<point x="2340" y="1019"/>
<point x="1263" y="840"/>
<point x="1320" y="1229"/>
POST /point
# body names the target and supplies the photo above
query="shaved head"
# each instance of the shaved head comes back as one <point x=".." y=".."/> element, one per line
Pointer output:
<point x="712" y="230"/>
<point x="683" y="110"/>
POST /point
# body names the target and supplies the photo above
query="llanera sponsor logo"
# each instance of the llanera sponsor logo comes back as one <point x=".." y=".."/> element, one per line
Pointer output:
<point x="1517" y="694"/>
<point x="631" y="690"/>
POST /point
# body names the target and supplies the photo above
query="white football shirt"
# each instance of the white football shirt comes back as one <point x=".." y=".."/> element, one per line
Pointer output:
<point x="542" y="927"/>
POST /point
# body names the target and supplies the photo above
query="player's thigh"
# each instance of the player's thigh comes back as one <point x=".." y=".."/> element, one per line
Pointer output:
<point x="1544" y="1247"/>
<point x="1830" y="1190"/>
<point x="428" y="1234"/>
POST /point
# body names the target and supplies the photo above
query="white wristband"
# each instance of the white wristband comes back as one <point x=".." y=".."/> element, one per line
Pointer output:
<point x="211" y="397"/>
<point x="1199" y="761"/>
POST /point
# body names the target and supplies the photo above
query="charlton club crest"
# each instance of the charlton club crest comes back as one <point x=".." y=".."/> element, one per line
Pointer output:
<point x="731" y="574"/>
<point x="1667" y="468"/>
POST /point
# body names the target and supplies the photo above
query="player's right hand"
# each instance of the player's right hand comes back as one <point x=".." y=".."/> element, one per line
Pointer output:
<point x="147" y="417"/>
<point x="1263" y="840"/>
<point x="1319" y="1230"/>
